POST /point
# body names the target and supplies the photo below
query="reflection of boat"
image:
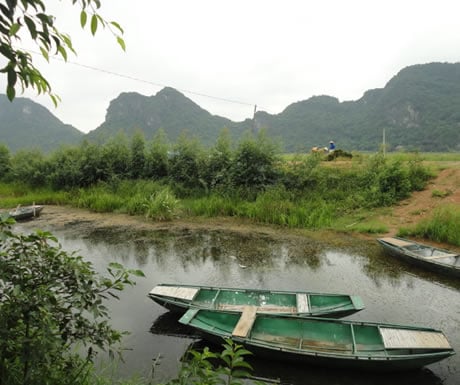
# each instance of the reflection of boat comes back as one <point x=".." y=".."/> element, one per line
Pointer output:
<point x="429" y="257"/>
<point x="166" y="324"/>
<point x="181" y="297"/>
<point x="324" y="341"/>
<point x="26" y="212"/>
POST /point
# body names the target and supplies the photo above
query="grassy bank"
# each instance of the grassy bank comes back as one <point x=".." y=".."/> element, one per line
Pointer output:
<point x="307" y="193"/>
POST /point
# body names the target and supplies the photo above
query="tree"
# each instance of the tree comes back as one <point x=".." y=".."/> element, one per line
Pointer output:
<point x="19" y="17"/>
<point x="137" y="160"/>
<point x="5" y="161"/>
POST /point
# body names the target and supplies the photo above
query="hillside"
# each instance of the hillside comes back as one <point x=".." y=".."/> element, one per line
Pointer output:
<point x="26" y="124"/>
<point x="418" y="109"/>
<point x="168" y="110"/>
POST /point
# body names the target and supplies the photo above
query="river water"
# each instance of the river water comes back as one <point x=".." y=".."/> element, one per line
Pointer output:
<point x="392" y="291"/>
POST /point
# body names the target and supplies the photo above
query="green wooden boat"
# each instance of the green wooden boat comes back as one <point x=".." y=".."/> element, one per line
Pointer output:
<point x="324" y="341"/>
<point x="182" y="297"/>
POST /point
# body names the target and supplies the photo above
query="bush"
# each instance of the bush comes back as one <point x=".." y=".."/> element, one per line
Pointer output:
<point x="50" y="303"/>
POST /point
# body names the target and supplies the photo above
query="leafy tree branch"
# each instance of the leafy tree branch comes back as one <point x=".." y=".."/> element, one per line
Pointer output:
<point x="30" y="17"/>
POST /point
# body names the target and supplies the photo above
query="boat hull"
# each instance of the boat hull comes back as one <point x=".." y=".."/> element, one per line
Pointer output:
<point x="430" y="258"/>
<point x="179" y="298"/>
<point x="26" y="212"/>
<point x="325" y="342"/>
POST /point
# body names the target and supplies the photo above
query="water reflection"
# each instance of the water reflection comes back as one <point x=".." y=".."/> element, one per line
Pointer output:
<point x="392" y="291"/>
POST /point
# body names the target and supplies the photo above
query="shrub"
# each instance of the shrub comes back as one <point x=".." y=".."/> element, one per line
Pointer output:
<point x="50" y="302"/>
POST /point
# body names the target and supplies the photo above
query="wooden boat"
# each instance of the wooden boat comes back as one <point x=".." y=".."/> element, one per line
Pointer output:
<point x="425" y="256"/>
<point x="181" y="297"/>
<point x="323" y="341"/>
<point x="26" y="212"/>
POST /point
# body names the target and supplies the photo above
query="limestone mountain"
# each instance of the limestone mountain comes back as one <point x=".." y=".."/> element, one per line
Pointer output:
<point x="169" y="110"/>
<point x="26" y="124"/>
<point x="418" y="109"/>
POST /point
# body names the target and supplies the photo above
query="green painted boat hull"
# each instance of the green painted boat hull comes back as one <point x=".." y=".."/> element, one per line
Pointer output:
<point x="180" y="298"/>
<point x="323" y="341"/>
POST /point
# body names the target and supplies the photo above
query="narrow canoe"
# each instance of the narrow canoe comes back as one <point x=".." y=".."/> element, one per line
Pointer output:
<point x="428" y="257"/>
<point x="324" y="341"/>
<point x="182" y="297"/>
<point x="26" y="212"/>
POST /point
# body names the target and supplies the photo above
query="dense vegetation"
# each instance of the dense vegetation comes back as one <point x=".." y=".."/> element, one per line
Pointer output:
<point x="248" y="179"/>
<point x="417" y="109"/>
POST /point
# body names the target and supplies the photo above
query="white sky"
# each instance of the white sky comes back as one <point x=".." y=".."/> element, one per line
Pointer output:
<point x="264" y="52"/>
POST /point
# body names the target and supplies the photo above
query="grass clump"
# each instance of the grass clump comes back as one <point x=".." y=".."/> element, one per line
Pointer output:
<point x="442" y="226"/>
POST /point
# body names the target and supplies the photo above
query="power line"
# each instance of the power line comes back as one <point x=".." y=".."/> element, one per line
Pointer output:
<point x="146" y="81"/>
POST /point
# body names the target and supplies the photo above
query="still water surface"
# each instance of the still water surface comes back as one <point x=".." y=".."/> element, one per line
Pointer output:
<point x="393" y="292"/>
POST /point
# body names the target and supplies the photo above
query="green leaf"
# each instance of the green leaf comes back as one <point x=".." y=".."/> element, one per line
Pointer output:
<point x="10" y="92"/>
<point x="83" y="18"/>
<point x="93" y="24"/>
<point x="117" y="26"/>
<point x="121" y="42"/>
<point x="137" y="273"/>
<point x="45" y="54"/>
<point x="12" y="76"/>
<point x="14" y="29"/>
<point x="116" y="265"/>
<point x="55" y="99"/>
<point x="31" y="27"/>
<point x="62" y="51"/>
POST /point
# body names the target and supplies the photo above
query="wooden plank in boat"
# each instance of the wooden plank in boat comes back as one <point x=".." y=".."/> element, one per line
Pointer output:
<point x="397" y="242"/>
<point x="413" y="339"/>
<point x="245" y="322"/>
<point x="187" y="293"/>
<point x="442" y="256"/>
<point x="302" y="303"/>
<point x="260" y="309"/>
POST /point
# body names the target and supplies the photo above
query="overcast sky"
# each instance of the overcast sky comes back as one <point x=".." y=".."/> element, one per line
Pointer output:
<point x="265" y="53"/>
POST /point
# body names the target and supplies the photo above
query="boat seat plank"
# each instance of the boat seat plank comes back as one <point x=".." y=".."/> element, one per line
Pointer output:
<point x="397" y="242"/>
<point x="260" y="309"/>
<point x="413" y="339"/>
<point x="441" y="256"/>
<point x="187" y="293"/>
<point x="302" y="303"/>
<point x="245" y="322"/>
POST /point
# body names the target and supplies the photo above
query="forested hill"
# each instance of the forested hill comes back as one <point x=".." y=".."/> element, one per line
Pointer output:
<point x="419" y="109"/>
<point x="26" y="124"/>
<point x="169" y="110"/>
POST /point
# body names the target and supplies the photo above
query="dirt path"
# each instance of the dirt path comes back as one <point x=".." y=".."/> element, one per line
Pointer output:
<point x="443" y="190"/>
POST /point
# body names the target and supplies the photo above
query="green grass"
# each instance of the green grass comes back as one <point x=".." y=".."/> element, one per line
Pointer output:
<point x="442" y="226"/>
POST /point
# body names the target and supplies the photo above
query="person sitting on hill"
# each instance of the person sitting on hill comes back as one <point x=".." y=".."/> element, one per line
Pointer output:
<point x="331" y="146"/>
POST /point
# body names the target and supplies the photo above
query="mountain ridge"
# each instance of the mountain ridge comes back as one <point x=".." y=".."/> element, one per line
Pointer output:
<point x="417" y="109"/>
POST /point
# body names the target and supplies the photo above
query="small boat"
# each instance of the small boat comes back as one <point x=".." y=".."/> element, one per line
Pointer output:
<point x="429" y="257"/>
<point x="323" y="341"/>
<point x="180" y="298"/>
<point x="26" y="212"/>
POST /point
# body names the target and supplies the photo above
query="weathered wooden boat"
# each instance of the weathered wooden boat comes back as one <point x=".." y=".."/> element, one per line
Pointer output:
<point x="425" y="256"/>
<point x="323" y="341"/>
<point x="26" y="212"/>
<point x="180" y="298"/>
